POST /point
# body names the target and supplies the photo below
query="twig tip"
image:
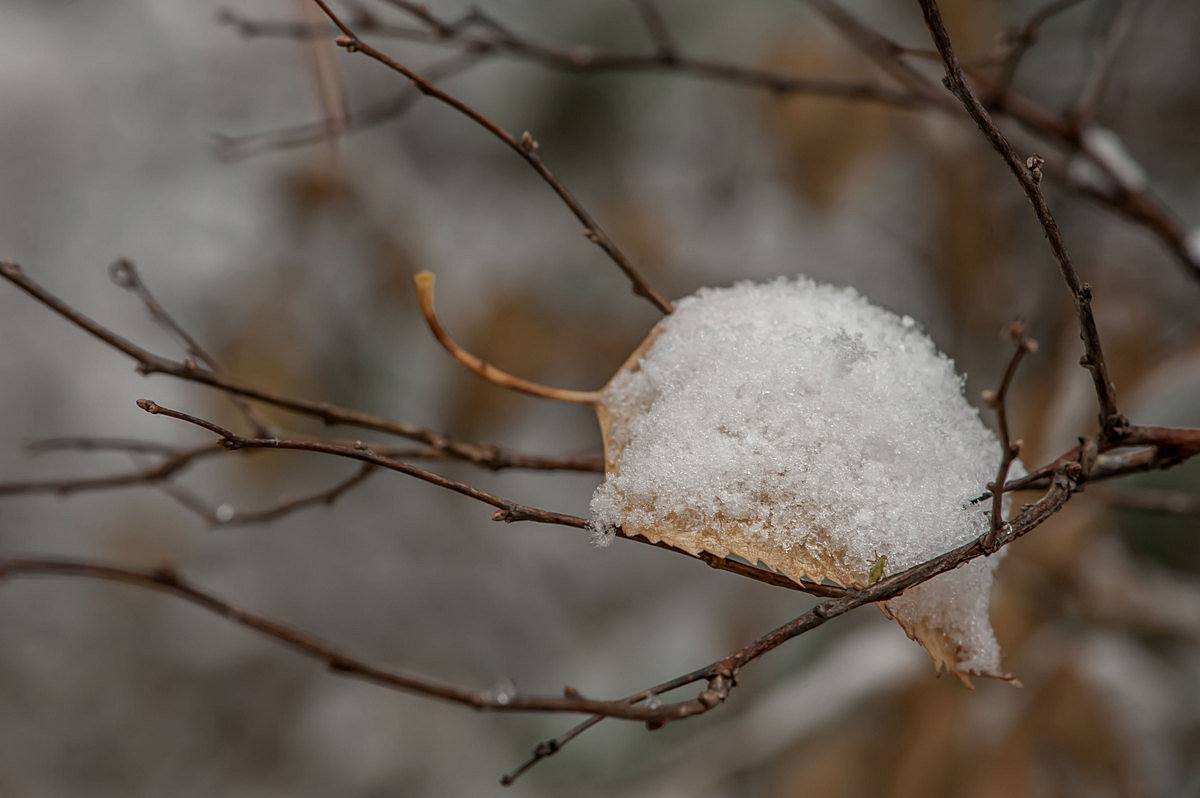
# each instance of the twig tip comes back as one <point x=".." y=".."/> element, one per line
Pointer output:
<point x="153" y="408"/>
<point x="423" y="280"/>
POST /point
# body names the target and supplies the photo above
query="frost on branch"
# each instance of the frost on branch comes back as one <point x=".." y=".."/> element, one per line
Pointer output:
<point x="797" y="425"/>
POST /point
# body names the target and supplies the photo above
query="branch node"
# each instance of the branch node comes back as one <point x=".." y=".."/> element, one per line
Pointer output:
<point x="349" y="43"/>
<point x="121" y="273"/>
<point x="1034" y="164"/>
<point x="507" y="515"/>
<point x="153" y="408"/>
<point x="990" y="540"/>
<point x="167" y="573"/>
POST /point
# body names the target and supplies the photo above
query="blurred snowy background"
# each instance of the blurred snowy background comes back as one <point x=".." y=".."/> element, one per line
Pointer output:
<point x="294" y="266"/>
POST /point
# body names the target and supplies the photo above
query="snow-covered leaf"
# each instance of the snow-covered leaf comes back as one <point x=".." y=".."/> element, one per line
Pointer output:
<point x="797" y="425"/>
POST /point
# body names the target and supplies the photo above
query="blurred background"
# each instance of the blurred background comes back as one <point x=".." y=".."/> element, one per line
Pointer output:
<point x="125" y="135"/>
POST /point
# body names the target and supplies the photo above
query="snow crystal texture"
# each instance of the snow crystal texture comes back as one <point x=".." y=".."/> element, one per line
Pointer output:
<point x="810" y="418"/>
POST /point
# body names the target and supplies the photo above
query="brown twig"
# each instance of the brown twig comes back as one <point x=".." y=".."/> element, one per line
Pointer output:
<point x="590" y="60"/>
<point x="231" y="148"/>
<point x="166" y="579"/>
<point x="486" y="456"/>
<point x="125" y="275"/>
<point x="1084" y="109"/>
<point x="884" y="52"/>
<point x="1137" y="204"/>
<point x="548" y="748"/>
<point x="175" y="461"/>
<point x="1028" y="175"/>
<point x="330" y="86"/>
<point x="1185" y="439"/>
<point x="1163" y="448"/>
<point x="525" y="147"/>
<point x="720" y="676"/>
<point x="506" y="510"/>
<point x="997" y="400"/>
<point x="656" y="26"/>
<point x="149" y="363"/>
<point x="99" y="443"/>
<point x="224" y="515"/>
<point x="1022" y="39"/>
<point x="494" y="458"/>
<point x="424" y="285"/>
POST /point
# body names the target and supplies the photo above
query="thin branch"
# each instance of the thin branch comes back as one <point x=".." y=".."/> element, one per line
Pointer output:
<point x="1022" y="39"/>
<point x="525" y="147"/>
<point x="174" y="463"/>
<point x="166" y="579"/>
<point x="997" y="400"/>
<point x="176" y="459"/>
<point x="1139" y="206"/>
<point x="424" y="286"/>
<point x="883" y="51"/>
<point x="1084" y="109"/>
<point x="1165" y="447"/>
<point x="495" y="458"/>
<point x="656" y="26"/>
<point x="720" y="676"/>
<point x="232" y="148"/>
<point x="125" y="275"/>
<point x="224" y="515"/>
<point x="548" y="748"/>
<point x="98" y="443"/>
<point x="492" y="458"/>
<point x="1029" y="176"/>
<point x="150" y="363"/>
<point x="1185" y="439"/>
<point x="590" y="60"/>
<point x="331" y="88"/>
<point x="507" y="511"/>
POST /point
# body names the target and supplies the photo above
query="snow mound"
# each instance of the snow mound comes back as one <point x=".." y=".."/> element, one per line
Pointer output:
<point x="797" y="425"/>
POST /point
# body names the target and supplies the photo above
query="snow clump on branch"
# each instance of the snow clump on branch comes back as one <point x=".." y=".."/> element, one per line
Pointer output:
<point x="797" y="425"/>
